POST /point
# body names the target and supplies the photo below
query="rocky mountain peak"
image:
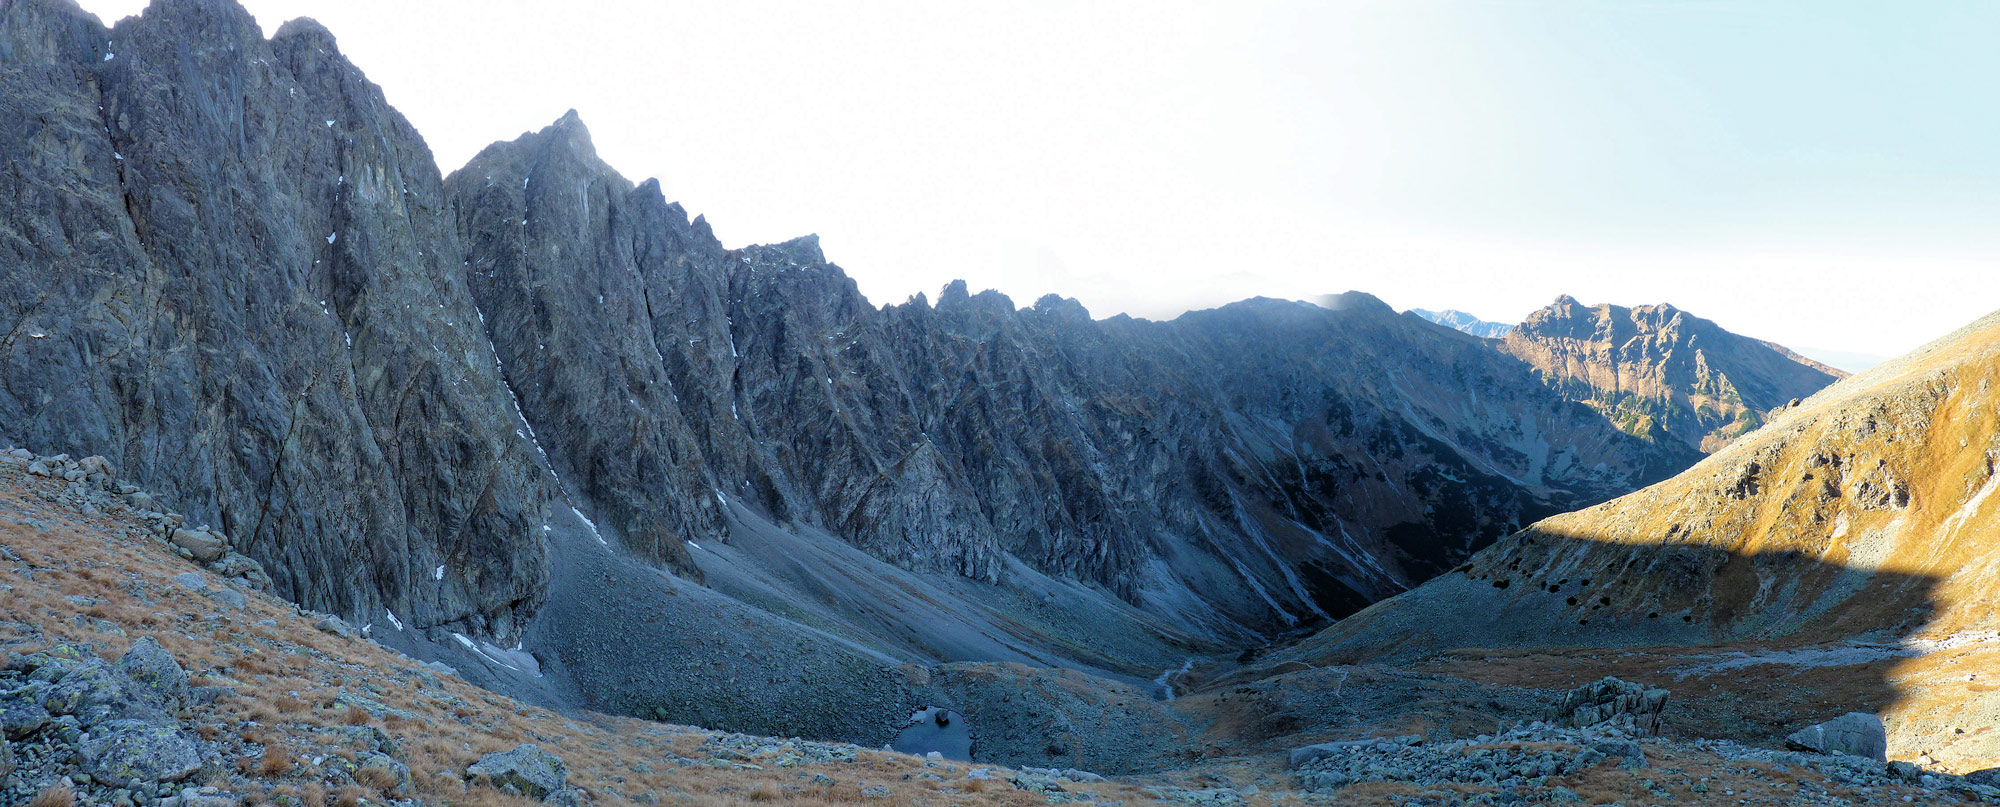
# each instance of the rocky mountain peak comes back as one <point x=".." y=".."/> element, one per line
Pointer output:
<point x="952" y="294"/>
<point x="803" y="250"/>
<point x="308" y="29"/>
<point x="1660" y="372"/>
<point x="1067" y="308"/>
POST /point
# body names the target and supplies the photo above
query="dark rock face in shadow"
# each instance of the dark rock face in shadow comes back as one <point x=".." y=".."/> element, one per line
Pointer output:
<point x="228" y="266"/>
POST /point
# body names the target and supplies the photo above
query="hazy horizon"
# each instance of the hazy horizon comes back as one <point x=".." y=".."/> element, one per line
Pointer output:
<point x="1813" y="174"/>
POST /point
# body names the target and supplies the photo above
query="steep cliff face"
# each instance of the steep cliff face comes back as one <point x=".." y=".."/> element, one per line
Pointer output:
<point x="1239" y="470"/>
<point x="1867" y="511"/>
<point x="1661" y="373"/>
<point x="228" y="265"/>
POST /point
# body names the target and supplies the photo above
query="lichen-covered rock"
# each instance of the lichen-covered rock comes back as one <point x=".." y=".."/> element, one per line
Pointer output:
<point x="160" y="678"/>
<point x="124" y="750"/>
<point x="94" y="692"/>
<point x="21" y="712"/>
<point x="527" y="770"/>
<point x="1856" y="734"/>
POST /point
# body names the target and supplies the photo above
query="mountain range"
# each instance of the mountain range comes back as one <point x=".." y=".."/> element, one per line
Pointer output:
<point x="534" y="423"/>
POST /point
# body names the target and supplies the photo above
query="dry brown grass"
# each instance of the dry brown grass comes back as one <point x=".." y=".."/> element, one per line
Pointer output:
<point x="356" y="717"/>
<point x="378" y="778"/>
<point x="766" y="791"/>
<point x="59" y="795"/>
<point x="350" y="796"/>
<point x="277" y="761"/>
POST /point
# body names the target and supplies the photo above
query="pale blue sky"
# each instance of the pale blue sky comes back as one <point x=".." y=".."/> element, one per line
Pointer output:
<point x="1825" y="174"/>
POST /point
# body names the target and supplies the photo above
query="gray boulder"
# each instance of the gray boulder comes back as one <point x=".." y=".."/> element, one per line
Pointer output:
<point x="203" y="545"/>
<point x="237" y="564"/>
<point x="94" y="692"/>
<point x="527" y="770"/>
<point x="129" y="749"/>
<point x="1856" y="734"/>
<point x="231" y="597"/>
<point x="1625" y="750"/>
<point x="159" y="677"/>
<point x="1633" y="707"/>
<point x="21" y="713"/>
<point x="329" y="623"/>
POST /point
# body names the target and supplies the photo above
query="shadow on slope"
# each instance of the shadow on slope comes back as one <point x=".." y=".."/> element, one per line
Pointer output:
<point x="1772" y="641"/>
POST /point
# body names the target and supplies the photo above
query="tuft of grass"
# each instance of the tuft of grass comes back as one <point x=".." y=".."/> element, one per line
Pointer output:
<point x="58" y="795"/>
<point x="378" y="778"/>
<point x="350" y="796"/>
<point x="277" y="762"/>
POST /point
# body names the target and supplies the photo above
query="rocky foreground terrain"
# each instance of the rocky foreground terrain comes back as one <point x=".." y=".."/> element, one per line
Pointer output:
<point x="133" y="675"/>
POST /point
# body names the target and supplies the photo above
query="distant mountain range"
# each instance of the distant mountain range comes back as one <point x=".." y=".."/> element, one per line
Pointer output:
<point x="1845" y="360"/>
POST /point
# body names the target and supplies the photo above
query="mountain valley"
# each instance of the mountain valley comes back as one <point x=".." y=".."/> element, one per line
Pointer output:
<point x="342" y="480"/>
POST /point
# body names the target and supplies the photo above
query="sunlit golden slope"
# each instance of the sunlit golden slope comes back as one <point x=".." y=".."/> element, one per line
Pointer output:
<point x="1864" y="519"/>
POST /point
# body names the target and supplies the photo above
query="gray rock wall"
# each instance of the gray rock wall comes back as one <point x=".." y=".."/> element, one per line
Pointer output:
<point x="228" y="266"/>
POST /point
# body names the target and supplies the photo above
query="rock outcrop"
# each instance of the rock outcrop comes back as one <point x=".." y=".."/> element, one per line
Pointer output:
<point x="1661" y="373"/>
<point x="1635" y="708"/>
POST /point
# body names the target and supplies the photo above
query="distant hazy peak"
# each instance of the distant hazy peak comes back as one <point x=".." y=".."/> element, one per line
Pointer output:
<point x="1353" y="301"/>
<point x="1468" y="323"/>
